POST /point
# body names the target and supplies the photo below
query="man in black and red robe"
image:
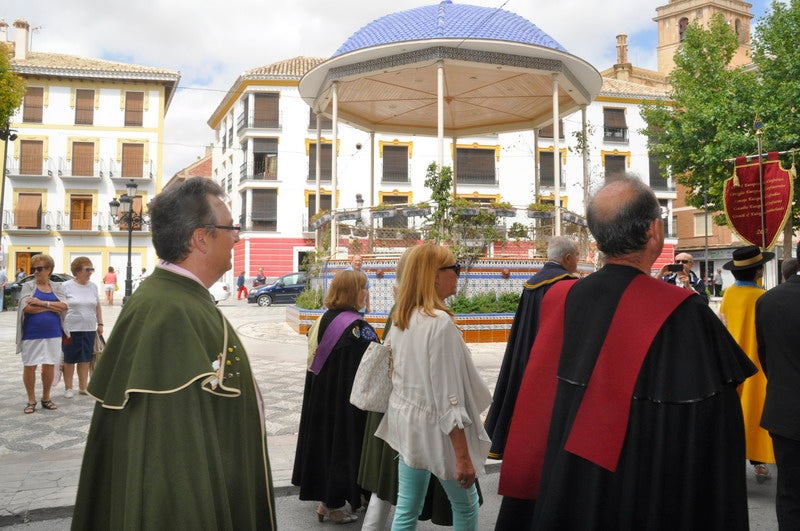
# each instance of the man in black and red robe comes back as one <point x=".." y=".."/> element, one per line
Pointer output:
<point x="628" y="416"/>
<point x="562" y="262"/>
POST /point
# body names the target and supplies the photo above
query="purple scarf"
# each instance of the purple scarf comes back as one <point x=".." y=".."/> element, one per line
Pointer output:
<point x="331" y="336"/>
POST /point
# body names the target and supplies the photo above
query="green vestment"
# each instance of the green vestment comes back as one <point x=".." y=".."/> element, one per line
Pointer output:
<point x="177" y="439"/>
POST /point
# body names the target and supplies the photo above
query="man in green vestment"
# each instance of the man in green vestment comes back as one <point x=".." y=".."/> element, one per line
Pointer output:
<point x="177" y="439"/>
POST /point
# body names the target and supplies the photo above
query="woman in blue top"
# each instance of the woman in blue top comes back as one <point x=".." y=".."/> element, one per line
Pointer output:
<point x="39" y="329"/>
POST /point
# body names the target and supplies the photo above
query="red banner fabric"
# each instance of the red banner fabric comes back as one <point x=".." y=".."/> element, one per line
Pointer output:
<point x="743" y="200"/>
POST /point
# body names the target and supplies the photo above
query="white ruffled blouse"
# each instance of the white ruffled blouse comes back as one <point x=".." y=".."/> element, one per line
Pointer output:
<point x="435" y="388"/>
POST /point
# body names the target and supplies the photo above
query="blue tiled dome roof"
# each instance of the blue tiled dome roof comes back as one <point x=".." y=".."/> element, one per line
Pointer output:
<point x="448" y="21"/>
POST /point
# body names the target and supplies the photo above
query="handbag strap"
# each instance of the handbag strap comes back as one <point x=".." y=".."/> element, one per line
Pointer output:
<point x="330" y="337"/>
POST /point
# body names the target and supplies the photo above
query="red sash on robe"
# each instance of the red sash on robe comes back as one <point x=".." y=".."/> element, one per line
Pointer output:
<point x="598" y="431"/>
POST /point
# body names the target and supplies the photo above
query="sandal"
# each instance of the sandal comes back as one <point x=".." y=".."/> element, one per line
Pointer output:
<point x="337" y="516"/>
<point x="30" y="408"/>
<point x="48" y="404"/>
<point x="762" y="472"/>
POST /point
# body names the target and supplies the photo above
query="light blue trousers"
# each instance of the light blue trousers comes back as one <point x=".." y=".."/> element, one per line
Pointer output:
<point x="413" y="485"/>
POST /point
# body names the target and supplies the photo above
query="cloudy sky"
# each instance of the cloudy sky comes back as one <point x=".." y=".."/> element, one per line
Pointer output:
<point x="212" y="43"/>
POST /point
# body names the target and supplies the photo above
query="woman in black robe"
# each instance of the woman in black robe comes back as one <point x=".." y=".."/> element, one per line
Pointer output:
<point x="331" y="429"/>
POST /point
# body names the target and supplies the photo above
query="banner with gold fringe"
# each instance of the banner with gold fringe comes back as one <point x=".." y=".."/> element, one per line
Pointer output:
<point x="758" y="211"/>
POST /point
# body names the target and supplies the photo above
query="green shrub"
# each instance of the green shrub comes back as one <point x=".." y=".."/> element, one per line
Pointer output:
<point x="309" y="299"/>
<point x="488" y="302"/>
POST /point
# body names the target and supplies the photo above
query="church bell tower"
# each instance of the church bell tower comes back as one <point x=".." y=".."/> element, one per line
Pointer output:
<point x="673" y="18"/>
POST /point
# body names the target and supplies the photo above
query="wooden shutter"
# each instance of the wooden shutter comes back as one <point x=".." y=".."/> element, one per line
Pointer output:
<point x="134" y="108"/>
<point x="546" y="170"/>
<point x="29" y="211"/>
<point x="325" y="162"/>
<point x="132" y="160"/>
<point x="265" y="110"/>
<point x="136" y="209"/>
<point x="84" y="106"/>
<point x="614" y="118"/>
<point x="31" y="153"/>
<point x="33" y="104"/>
<point x="265" y="210"/>
<point x="83" y="158"/>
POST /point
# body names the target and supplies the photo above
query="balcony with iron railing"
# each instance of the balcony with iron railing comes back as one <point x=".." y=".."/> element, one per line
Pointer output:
<point x="259" y="170"/>
<point x="251" y="120"/>
<point x="61" y="221"/>
<point x="30" y="170"/>
<point x="471" y="176"/>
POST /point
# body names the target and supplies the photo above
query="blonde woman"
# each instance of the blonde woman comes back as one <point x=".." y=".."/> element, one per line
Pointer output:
<point x="433" y="419"/>
<point x="39" y="330"/>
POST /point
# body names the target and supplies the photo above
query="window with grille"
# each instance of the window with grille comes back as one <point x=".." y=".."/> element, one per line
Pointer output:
<point x="395" y="164"/>
<point x="615" y="128"/>
<point x="33" y="105"/>
<point x="399" y="220"/>
<point x="264" y="214"/>
<point x="265" y="158"/>
<point x="134" y="109"/>
<point x="325" y="122"/>
<point x="265" y="110"/>
<point x="325" y="162"/>
<point x="132" y="160"/>
<point x="324" y="204"/>
<point x="31" y="157"/>
<point x="615" y="167"/>
<point x="546" y="169"/>
<point x="475" y="166"/>
<point x="84" y="107"/>
<point x="80" y="212"/>
<point x="28" y="214"/>
<point x="83" y="158"/>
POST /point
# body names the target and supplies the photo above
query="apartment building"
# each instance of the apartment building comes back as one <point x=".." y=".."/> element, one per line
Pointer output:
<point x="265" y="148"/>
<point x="86" y="128"/>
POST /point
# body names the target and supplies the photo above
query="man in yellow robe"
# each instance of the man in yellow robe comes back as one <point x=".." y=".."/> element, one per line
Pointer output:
<point x="738" y="309"/>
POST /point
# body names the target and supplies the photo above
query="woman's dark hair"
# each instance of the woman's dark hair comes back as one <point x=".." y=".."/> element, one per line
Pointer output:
<point x="176" y="213"/>
<point x="746" y="275"/>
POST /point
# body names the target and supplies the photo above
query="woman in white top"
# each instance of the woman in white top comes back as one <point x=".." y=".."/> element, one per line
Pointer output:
<point x="433" y="419"/>
<point x="83" y="320"/>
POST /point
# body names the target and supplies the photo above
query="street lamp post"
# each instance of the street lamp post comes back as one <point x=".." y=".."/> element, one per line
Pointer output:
<point x="6" y="134"/>
<point x="124" y="207"/>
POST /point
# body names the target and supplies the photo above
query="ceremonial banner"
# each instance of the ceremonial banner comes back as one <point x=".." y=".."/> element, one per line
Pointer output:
<point x="742" y="200"/>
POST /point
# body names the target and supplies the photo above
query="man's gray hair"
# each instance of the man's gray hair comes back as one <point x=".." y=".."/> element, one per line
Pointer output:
<point x="559" y="247"/>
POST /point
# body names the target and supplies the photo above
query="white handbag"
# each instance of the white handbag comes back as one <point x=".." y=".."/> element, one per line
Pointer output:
<point x="373" y="382"/>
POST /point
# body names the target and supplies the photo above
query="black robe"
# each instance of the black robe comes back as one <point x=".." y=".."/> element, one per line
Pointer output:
<point x="331" y="428"/>
<point x="681" y="462"/>
<point x="520" y="340"/>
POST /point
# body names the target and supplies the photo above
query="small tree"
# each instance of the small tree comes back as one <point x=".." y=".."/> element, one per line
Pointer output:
<point x="12" y="88"/>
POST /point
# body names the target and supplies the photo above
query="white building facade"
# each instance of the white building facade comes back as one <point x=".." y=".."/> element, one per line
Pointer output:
<point x="265" y="158"/>
<point x="85" y="129"/>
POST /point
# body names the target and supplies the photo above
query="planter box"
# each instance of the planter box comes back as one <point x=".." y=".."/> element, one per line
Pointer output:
<point x="314" y="225"/>
<point x="505" y="213"/>
<point x="384" y="213"/>
<point x="540" y="214"/>
<point x="466" y="212"/>
<point x="347" y="216"/>
<point x="416" y="212"/>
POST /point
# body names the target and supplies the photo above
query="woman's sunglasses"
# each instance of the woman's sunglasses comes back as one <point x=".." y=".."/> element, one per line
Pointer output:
<point x="39" y="268"/>
<point x="455" y="267"/>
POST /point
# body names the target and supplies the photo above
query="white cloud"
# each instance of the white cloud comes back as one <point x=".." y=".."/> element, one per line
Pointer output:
<point x="211" y="43"/>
